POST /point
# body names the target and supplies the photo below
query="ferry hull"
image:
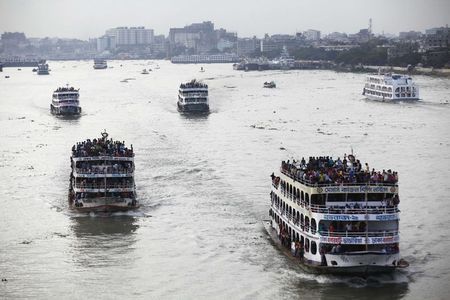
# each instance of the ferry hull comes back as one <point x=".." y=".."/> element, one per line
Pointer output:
<point x="109" y="208"/>
<point x="314" y="267"/>
<point x="65" y="110"/>
<point x="193" y="108"/>
<point x="380" y="99"/>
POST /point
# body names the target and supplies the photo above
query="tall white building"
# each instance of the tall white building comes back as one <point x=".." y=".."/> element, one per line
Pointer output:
<point x="130" y="36"/>
<point x="312" y="35"/>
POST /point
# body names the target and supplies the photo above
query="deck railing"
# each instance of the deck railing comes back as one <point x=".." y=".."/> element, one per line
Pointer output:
<point x="336" y="209"/>
<point x="307" y="227"/>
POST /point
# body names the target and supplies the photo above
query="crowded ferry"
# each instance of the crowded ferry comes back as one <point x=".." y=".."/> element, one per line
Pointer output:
<point x="66" y="101"/>
<point x="390" y="87"/>
<point x="102" y="177"/>
<point x="193" y="97"/>
<point x="336" y="215"/>
<point x="43" y="68"/>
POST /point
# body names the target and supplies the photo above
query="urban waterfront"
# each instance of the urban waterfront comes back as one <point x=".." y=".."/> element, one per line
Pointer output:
<point x="204" y="182"/>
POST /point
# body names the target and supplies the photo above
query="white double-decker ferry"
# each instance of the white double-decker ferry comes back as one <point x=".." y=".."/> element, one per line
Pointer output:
<point x="66" y="101"/>
<point x="336" y="216"/>
<point x="100" y="64"/>
<point x="102" y="177"/>
<point x="390" y="87"/>
<point x="193" y="97"/>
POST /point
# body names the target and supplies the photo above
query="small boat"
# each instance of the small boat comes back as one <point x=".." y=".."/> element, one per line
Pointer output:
<point x="270" y="85"/>
<point x="34" y="70"/>
<point x="144" y="71"/>
<point x="7" y="76"/>
<point x="202" y="70"/>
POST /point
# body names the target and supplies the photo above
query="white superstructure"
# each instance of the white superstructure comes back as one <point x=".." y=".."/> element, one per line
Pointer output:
<point x="193" y="97"/>
<point x="337" y="216"/>
<point x="100" y="64"/>
<point x="390" y="87"/>
<point x="66" y="101"/>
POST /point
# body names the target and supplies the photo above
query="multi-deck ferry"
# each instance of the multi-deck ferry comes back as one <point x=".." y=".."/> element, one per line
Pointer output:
<point x="100" y="64"/>
<point x="102" y="177"/>
<point x="336" y="216"/>
<point x="193" y="97"/>
<point x="390" y="87"/>
<point x="43" y="68"/>
<point x="66" y="101"/>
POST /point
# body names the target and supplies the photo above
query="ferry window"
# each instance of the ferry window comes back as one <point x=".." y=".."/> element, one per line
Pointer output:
<point x="318" y="199"/>
<point x="302" y="196"/>
<point x="306" y="245"/>
<point x="356" y="197"/>
<point x="307" y="224"/>
<point x="336" y="198"/>
<point x="375" y="197"/>
<point x="313" y="226"/>
<point x="306" y="198"/>
<point x="302" y="222"/>
<point x="313" y="247"/>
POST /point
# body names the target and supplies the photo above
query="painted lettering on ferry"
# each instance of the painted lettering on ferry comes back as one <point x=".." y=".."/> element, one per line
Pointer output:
<point x="342" y="240"/>
<point x="356" y="189"/>
<point x="386" y="217"/>
<point x="341" y="217"/>
<point x="384" y="240"/>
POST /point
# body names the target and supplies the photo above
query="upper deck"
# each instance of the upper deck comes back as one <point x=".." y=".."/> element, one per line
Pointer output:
<point x="326" y="175"/>
<point x="102" y="149"/>
<point x="193" y="86"/>
<point x="64" y="93"/>
<point x="390" y="79"/>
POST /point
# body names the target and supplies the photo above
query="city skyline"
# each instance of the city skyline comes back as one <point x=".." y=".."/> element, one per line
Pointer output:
<point x="40" y="18"/>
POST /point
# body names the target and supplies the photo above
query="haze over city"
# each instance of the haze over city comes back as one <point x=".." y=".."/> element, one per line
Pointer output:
<point x="84" y="19"/>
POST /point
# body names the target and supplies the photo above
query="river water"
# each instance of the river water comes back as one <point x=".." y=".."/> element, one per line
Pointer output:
<point x="204" y="182"/>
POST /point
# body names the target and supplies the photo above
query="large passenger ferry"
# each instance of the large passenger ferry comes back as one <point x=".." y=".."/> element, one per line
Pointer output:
<point x="100" y="64"/>
<point x="66" y="101"/>
<point x="193" y="97"/>
<point x="43" y="68"/>
<point x="102" y="177"/>
<point x="336" y="216"/>
<point x="390" y="87"/>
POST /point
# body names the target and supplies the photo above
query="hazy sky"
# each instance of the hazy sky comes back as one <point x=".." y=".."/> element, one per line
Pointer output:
<point x="90" y="18"/>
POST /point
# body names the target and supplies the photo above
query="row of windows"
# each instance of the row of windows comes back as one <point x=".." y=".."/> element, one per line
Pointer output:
<point x="295" y="236"/>
<point x="294" y="215"/>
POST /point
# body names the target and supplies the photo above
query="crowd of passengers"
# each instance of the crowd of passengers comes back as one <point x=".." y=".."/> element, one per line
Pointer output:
<point x="101" y="147"/>
<point x="102" y="168"/>
<point x="66" y="89"/>
<point x="100" y="183"/>
<point x="193" y="84"/>
<point x="326" y="170"/>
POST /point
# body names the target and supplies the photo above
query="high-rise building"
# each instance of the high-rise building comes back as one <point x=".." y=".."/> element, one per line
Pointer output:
<point x="131" y="36"/>
<point x="312" y="35"/>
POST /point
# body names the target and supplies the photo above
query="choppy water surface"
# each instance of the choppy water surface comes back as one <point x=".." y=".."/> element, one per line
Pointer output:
<point x="204" y="182"/>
